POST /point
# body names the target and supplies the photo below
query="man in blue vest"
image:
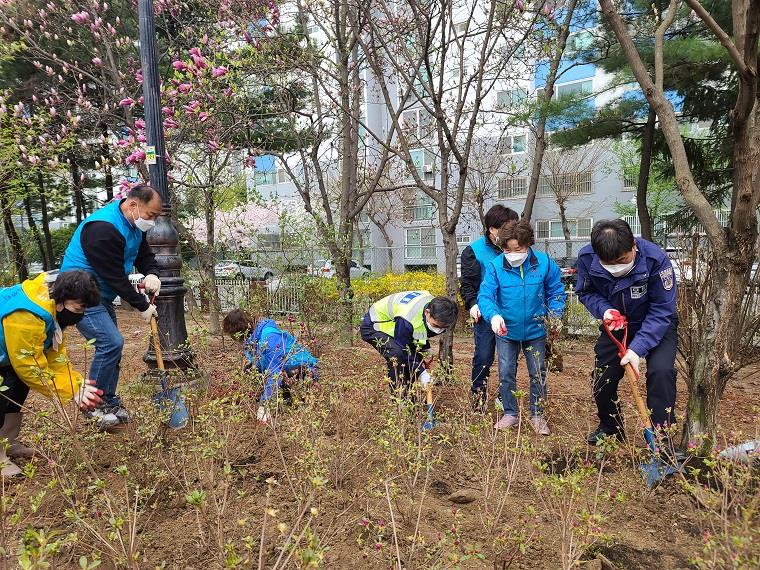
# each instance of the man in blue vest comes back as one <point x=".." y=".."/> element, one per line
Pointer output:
<point x="622" y="279"/>
<point x="475" y="258"/>
<point x="108" y="244"/>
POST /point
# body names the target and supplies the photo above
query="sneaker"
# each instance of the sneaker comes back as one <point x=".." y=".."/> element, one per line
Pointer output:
<point x="506" y="422"/>
<point x="9" y="469"/>
<point x="600" y="432"/>
<point x="121" y="413"/>
<point x="102" y="418"/>
<point x="540" y="425"/>
<point x="19" y="451"/>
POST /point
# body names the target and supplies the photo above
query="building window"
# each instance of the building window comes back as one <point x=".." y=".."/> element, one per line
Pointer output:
<point x="630" y="181"/>
<point x="363" y="218"/>
<point x="282" y="176"/>
<point x="513" y="188"/>
<point x="464" y="239"/>
<point x="580" y="228"/>
<point x="417" y="123"/>
<point x="511" y="98"/>
<point x="421" y="210"/>
<point x="512" y="144"/>
<point x="263" y="178"/>
<point x="565" y="185"/>
<point x="460" y="29"/>
<point x="585" y="87"/>
<point x="424" y="162"/>
<point x="420" y="243"/>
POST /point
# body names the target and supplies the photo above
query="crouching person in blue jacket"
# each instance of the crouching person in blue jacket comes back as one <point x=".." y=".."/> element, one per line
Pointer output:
<point x="274" y="353"/>
<point x="622" y="279"/>
<point x="522" y="289"/>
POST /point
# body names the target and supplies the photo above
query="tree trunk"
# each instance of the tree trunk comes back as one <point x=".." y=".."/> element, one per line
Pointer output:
<point x="78" y="201"/>
<point x="19" y="260"/>
<point x="35" y="232"/>
<point x="45" y="220"/>
<point x="565" y="230"/>
<point x="647" y="140"/>
<point x="106" y="157"/>
<point x="207" y="264"/>
<point x="451" y="254"/>
<point x="551" y="78"/>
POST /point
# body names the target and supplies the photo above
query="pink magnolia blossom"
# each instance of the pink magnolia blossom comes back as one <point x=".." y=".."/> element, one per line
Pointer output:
<point x="203" y="117"/>
<point x="228" y="92"/>
<point x="199" y="62"/>
<point x="195" y="51"/>
<point x="142" y="100"/>
<point x="139" y="77"/>
<point x="179" y="66"/>
<point x="168" y="111"/>
<point x="170" y="123"/>
<point x="127" y="102"/>
<point x="142" y="138"/>
<point x="122" y="143"/>
<point x="213" y="145"/>
<point x="184" y="88"/>
<point x="81" y="17"/>
<point x="97" y="62"/>
<point x="139" y="124"/>
<point x="192" y="107"/>
<point x="219" y="71"/>
<point x="136" y="156"/>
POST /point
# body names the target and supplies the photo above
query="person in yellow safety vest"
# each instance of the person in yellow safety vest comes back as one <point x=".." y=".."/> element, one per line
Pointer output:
<point x="33" y="318"/>
<point x="399" y="326"/>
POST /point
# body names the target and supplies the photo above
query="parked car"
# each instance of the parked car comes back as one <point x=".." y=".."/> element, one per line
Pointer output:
<point x="681" y="259"/>
<point x="568" y="267"/>
<point x="324" y="268"/>
<point x="229" y="269"/>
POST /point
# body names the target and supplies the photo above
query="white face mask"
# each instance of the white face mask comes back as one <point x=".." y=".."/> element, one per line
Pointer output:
<point x="436" y="330"/>
<point x="619" y="269"/>
<point x="516" y="259"/>
<point x="141" y="223"/>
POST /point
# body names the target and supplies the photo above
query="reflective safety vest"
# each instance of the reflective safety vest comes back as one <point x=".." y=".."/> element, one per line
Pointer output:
<point x="407" y="305"/>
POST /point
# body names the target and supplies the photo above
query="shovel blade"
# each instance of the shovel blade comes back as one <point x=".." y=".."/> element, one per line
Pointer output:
<point x="174" y="400"/>
<point x="430" y="423"/>
<point x="656" y="471"/>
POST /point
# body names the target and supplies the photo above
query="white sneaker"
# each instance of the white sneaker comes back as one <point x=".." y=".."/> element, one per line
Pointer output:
<point x="263" y="415"/>
<point x="102" y="419"/>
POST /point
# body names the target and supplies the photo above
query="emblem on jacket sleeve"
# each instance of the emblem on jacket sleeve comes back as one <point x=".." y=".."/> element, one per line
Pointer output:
<point x="667" y="278"/>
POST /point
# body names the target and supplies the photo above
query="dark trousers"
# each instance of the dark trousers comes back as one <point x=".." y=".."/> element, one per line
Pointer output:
<point x="660" y="380"/>
<point x="14" y="397"/>
<point x="483" y="357"/>
<point x="398" y="358"/>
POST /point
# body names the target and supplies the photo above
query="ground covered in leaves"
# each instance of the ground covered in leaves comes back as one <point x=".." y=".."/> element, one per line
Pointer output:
<point x="345" y="478"/>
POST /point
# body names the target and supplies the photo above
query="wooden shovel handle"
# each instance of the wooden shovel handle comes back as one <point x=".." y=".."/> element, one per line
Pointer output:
<point x="429" y="395"/>
<point x="633" y="384"/>
<point x="156" y="343"/>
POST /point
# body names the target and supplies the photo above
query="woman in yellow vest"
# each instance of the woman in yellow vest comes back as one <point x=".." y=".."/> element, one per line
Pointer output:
<point x="399" y="327"/>
<point x="33" y="317"/>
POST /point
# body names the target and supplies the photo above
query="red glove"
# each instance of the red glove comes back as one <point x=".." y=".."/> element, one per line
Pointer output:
<point x="614" y="319"/>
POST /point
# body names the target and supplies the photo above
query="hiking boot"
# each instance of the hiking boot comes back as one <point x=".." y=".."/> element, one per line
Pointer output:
<point x="121" y="413"/>
<point x="506" y="422"/>
<point x="9" y="469"/>
<point x="601" y="432"/>
<point x="102" y="418"/>
<point x="540" y="425"/>
<point x="19" y="451"/>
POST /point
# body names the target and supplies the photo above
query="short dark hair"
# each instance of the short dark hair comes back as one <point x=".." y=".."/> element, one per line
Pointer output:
<point x="238" y="323"/>
<point x="520" y="230"/>
<point x="143" y="192"/>
<point x="499" y="215"/>
<point x="443" y="310"/>
<point x="611" y="239"/>
<point x="75" y="285"/>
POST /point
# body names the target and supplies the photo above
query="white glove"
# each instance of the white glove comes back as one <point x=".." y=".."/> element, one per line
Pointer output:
<point x="498" y="326"/>
<point x="614" y="319"/>
<point x="148" y="313"/>
<point x="152" y="284"/>
<point x="263" y="415"/>
<point x="475" y="313"/>
<point x="89" y="396"/>
<point x="425" y="378"/>
<point x="631" y="358"/>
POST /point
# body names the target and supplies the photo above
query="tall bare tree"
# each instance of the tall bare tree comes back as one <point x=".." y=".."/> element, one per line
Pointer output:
<point x="732" y="249"/>
<point x="439" y="61"/>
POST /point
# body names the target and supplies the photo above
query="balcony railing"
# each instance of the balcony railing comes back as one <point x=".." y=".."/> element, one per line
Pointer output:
<point x="418" y="213"/>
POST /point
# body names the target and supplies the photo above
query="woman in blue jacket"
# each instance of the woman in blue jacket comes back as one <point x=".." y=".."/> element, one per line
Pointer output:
<point x="275" y="353"/>
<point x="522" y="288"/>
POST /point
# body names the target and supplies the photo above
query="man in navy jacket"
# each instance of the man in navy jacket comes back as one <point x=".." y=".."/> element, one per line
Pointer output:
<point x="622" y="278"/>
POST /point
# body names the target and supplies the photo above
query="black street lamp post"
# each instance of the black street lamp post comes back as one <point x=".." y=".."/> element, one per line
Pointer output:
<point x="163" y="237"/>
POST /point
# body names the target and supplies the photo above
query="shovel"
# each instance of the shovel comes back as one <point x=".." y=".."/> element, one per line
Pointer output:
<point x="167" y="398"/>
<point x="430" y="422"/>
<point x="656" y="470"/>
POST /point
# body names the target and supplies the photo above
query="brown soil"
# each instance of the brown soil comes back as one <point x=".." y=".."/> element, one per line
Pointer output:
<point x="340" y="433"/>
